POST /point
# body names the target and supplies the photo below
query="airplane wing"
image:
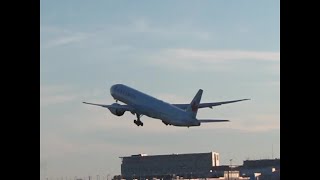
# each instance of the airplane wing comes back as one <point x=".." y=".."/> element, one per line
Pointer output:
<point x="209" y="105"/>
<point x="116" y="106"/>
<point x="212" y="120"/>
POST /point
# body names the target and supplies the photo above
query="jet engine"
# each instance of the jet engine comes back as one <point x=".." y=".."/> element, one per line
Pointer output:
<point x="116" y="111"/>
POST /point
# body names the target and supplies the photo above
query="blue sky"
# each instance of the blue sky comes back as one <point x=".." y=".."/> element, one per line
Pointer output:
<point x="168" y="49"/>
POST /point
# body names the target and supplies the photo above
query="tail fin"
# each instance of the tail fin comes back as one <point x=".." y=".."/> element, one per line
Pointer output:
<point x="192" y="108"/>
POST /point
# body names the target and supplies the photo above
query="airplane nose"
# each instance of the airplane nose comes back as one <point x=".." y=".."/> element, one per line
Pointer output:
<point x="112" y="89"/>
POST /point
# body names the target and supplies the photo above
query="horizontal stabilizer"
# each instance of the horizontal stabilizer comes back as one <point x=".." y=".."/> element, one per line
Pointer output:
<point x="212" y="120"/>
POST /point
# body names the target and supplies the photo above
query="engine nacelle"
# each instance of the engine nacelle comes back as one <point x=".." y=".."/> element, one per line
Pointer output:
<point x="116" y="111"/>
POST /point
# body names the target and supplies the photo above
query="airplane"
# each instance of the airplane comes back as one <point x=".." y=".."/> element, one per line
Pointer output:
<point x="139" y="104"/>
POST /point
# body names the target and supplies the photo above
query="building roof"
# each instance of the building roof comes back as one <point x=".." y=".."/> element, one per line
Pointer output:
<point x="140" y="155"/>
<point x="261" y="163"/>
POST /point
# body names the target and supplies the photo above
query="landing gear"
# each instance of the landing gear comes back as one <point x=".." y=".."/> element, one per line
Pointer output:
<point x="138" y="122"/>
<point x="165" y="123"/>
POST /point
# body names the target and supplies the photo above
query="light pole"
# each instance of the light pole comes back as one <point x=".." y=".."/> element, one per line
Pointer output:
<point x="230" y="169"/>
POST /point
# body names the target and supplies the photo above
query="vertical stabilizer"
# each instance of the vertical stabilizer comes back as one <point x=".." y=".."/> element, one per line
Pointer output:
<point x="192" y="109"/>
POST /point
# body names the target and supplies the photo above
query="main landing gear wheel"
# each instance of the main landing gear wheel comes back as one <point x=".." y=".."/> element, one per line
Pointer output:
<point x="138" y="122"/>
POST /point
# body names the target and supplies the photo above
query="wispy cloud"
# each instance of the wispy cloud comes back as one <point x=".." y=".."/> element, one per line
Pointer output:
<point x="54" y="94"/>
<point x="143" y="25"/>
<point x="211" y="56"/>
<point x="59" y="94"/>
<point x="176" y="30"/>
<point x="193" y="59"/>
<point x="55" y="99"/>
<point x="55" y="36"/>
<point x="67" y="40"/>
<point x="259" y="123"/>
<point x="53" y="30"/>
<point x="50" y="95"/>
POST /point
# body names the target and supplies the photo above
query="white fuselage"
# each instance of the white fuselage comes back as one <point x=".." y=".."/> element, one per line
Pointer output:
<point x="152" y="107"/>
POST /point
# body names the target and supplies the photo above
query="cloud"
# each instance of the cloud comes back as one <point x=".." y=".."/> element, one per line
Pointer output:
<point x="53" y="30"/>
<point x="253" y="123"/>
<point x="52" y="36"/>
<point x="60" y="94"/>
<point x="67" y="39"/>
<point x="219" y="60"/>
<point x="55" y="99"/>
<point x="55" y="36"/>
<point x="218" y="56"/>
<point x="50" y="95"/>
<point x="143" y="25"/>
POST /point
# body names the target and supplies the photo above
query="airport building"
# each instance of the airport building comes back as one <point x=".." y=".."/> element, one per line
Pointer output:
<point x="265" y="168"/>
<point x="195" y="166"/>
<point x="142" y="165"/>
<point x="262" y="163"/>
